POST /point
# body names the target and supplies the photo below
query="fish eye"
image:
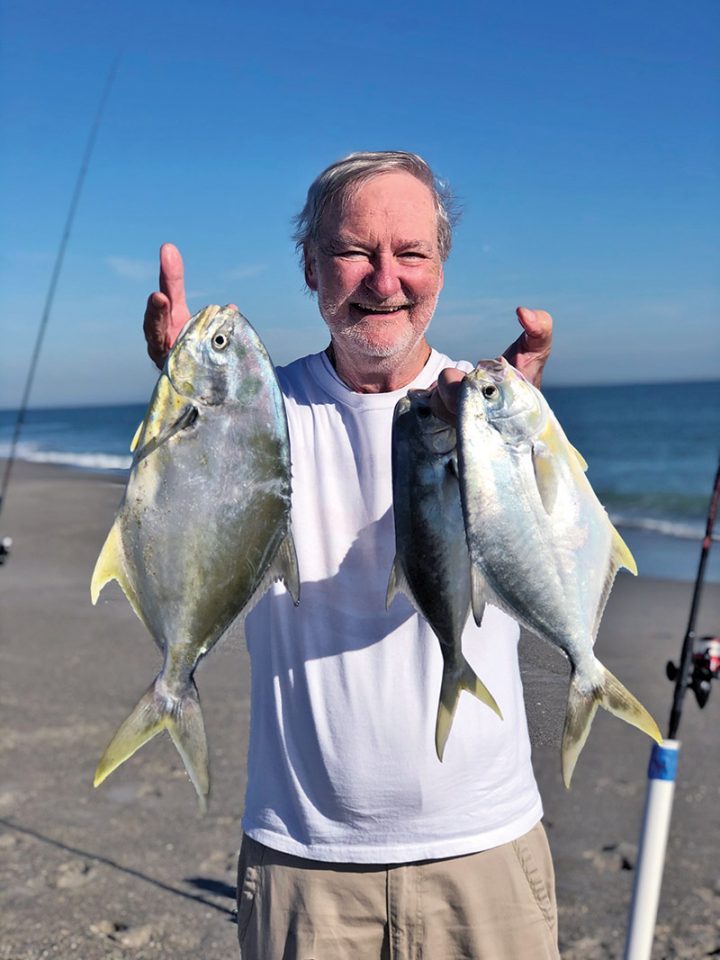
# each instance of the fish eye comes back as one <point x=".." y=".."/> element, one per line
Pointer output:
<point x="219" y="341"/>
<point x="424" y="411"/>
<point x="489" y="391"/>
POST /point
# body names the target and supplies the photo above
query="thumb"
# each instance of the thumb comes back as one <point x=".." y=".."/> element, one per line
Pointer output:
<point x="537" y="325"/>
<point x="172" y="277"/>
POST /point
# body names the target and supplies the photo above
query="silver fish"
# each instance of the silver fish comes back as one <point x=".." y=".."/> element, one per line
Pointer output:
<point x="432" y="564"/>
<point x="204" y="526"/>
<point x="542" y="546"/>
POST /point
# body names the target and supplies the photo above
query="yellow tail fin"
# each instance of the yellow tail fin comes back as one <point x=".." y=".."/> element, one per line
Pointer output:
<point x="453" y="682"/>
<point x="612" y="696"/>
<point x="156" y="711"/>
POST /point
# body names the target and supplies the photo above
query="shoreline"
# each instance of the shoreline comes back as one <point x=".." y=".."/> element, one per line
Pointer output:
<point x="659" y="556"/>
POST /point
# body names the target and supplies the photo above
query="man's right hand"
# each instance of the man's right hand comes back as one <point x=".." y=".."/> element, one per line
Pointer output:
<point x="166" y="312"/>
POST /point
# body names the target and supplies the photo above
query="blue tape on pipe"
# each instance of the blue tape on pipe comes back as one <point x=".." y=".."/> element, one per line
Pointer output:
<point x="663" y="762"/>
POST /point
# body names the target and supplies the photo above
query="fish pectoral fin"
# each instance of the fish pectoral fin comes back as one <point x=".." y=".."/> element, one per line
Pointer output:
<point x="546" y="477"/>
<point x="479" y="594"/>
<point x="612" y="696"/>
<point x="285" y="568"/>
<point x="453" y="682"/>
<point x="136" y="437"/>
<point x="156" y="712"/>
<point x="186" y="419"/>
<point x="111" y="565"/>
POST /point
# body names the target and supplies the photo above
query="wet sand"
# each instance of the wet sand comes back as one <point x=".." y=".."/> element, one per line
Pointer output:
<point x="132" y="871"/>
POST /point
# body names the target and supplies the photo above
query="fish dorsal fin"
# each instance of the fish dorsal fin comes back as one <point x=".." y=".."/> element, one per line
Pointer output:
<point x="111" y="565"/>
<point x="136" y="437"/>
<point x="392" y="587"/>
<point x="398" y="583"/>
<point x="581" y="459"/>
<point x="621" y="554"/>
<point x="545" y="474"/>
<point x="479" y="594"/>
<point x="605" y="593"/>
<point x="285" y="568"/>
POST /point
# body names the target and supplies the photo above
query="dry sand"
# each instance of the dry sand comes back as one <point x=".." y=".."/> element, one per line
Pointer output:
<point x="132" y="871"/>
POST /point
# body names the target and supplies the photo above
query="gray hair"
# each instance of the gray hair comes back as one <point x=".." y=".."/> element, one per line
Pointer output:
<point x="340" y="177"/>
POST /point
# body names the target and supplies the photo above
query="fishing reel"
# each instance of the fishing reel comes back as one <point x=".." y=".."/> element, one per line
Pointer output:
<point x="5" y="544"/>
<point x="705" y="667"/>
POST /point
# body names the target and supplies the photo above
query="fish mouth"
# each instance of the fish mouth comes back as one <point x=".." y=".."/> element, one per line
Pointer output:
<point x="503" y="377"/>
<point x="431" y="425"/>
<point x="497" y="370"/>
<point x="200" y="321"/>
<point x="187" y="366"/>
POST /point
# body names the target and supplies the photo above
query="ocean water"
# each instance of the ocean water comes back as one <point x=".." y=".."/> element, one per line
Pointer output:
<point x="652" y="451"/>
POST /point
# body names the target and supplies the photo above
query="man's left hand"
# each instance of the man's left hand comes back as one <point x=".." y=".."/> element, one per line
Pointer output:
<point x="529" y="354"/>
<point x="530" y="351"/>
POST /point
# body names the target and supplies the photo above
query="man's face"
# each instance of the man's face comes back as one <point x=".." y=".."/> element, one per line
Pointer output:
<point x="376" y="267"/>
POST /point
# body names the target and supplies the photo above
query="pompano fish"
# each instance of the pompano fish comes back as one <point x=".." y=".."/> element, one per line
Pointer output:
<point x="204" y="527"/>
<point x="541" y="544"/>
<point x="432" y="564"/>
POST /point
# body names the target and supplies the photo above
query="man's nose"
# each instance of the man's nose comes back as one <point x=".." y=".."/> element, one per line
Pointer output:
<point x="383" y="279"/>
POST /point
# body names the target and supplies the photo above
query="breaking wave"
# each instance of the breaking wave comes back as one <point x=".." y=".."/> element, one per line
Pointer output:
<point x="84" y="461"/>
<point x="668" y="528"/>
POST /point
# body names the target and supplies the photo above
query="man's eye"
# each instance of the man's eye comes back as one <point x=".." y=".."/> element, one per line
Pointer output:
<point x="353" y="254"/>
<point x="411" y="255"/>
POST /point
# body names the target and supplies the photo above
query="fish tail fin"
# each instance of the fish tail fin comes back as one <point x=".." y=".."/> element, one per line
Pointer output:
<point x="612" y="696"/>
<point x="156" y="711"/>
<point x="453" y="682"/>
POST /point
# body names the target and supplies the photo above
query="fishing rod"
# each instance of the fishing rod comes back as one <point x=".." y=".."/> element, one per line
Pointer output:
<point x="6" y="542"/>
<point x="699" y="666"/>
<point x="700" y="657"/>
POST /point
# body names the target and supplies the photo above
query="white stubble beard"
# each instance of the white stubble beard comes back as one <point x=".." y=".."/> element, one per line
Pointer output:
<point x="354" y="335"/>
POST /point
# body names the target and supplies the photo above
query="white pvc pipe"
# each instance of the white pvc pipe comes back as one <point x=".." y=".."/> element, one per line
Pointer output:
<point x="651" y="853"/>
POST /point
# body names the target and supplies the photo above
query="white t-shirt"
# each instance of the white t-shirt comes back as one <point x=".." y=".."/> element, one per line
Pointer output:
<point x="342" y="764"/>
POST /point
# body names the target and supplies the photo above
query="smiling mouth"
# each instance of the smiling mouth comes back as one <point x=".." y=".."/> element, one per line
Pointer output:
<point x="368" y="308"/>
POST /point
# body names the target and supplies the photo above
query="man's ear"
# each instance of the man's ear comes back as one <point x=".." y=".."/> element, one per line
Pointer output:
<point x="310" y="271"/>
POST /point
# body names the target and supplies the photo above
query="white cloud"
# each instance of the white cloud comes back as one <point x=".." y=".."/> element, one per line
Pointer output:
<point x="133" y="269"/>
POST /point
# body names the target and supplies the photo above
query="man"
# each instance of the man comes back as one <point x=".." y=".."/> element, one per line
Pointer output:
<point x="358" y="842"/>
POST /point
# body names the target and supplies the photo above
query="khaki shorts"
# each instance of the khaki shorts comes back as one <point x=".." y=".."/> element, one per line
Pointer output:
<point x="498" y="904"/>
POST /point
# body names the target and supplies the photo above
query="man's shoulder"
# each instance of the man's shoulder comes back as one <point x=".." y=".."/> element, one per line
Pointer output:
<point x="299" y="376"/>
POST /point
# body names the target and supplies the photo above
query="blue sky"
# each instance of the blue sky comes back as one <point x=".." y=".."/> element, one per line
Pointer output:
<point x="582" y="139"/>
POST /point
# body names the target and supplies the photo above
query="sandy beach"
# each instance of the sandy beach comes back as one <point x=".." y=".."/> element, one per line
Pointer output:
<point x="132" y="871"/>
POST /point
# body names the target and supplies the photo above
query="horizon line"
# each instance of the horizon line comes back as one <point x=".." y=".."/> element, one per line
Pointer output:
<point x="89" y="404"/>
